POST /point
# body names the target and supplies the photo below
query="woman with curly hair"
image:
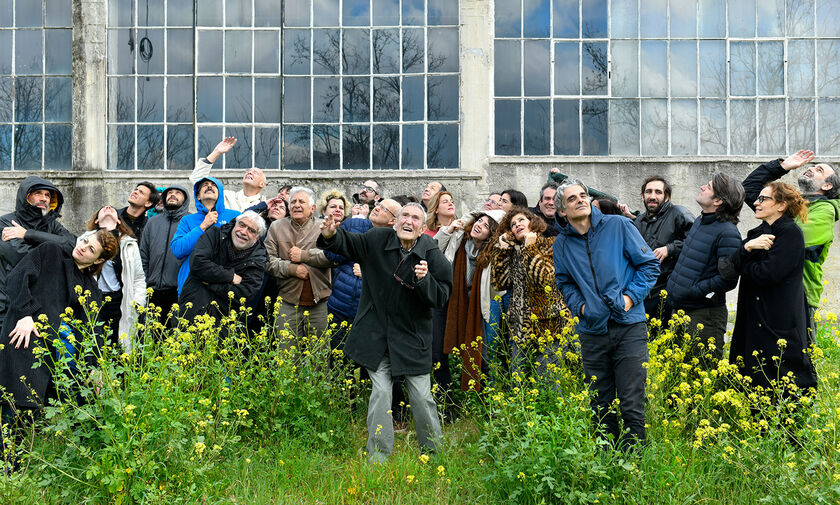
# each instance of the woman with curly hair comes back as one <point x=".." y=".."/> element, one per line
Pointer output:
<point x="770" y="335"/>
<point x="523" y="265"/>
<point x="334" y="203"/>
<point x="441" y="212"/>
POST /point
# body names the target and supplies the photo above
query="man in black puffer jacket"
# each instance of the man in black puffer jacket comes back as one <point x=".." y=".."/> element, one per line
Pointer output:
<point x="696" y="285"/>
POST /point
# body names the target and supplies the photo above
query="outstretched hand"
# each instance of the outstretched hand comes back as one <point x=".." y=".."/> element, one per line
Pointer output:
<point x="24" y="328"/>
<point x="329" y="227"/>
<point x="797" y="159"/>
<point x="225" y="145"/>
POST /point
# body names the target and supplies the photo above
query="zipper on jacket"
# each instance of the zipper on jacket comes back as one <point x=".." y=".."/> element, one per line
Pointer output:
<point x="163" y="265"/>
<point x="592" y="267"/>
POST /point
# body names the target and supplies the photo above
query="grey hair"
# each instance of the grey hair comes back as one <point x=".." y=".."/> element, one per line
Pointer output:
<point x="834" y="180"/>
<point x="559" y="200"/>
<point x="413" y="204"/>
<point x="297" y="189"/>
<point x="255" y="218"/>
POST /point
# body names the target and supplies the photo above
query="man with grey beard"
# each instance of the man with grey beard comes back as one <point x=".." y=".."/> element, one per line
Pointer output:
<point x="820" y="185"/>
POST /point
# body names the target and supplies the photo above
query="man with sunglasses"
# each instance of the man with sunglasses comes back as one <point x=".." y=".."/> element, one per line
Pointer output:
<point x="404" y="277"/>
<point x="368" y="193"/>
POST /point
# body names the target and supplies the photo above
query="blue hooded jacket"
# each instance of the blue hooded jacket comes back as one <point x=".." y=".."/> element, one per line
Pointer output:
<point x="597" y="269"/>
<point x="347" y="288"/>
<point x="189" y="229"/>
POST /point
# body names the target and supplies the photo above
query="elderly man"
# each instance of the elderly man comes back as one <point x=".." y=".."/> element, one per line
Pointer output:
<point x="820" y="185"/>
<point x="302" y="271"/>
<point x="226" y="259"/>
<point x="368" y="193"/>
<point x="404" y="277"/>
<point x="253" y="182"/>
<point x="429" y="191"/>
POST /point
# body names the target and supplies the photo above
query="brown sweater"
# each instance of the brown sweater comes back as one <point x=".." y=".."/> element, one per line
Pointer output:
<point x="282" y="236"/>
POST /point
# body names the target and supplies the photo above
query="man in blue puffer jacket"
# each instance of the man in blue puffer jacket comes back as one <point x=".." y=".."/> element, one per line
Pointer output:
<point x="210" y="206"/>
<point x="605" y="270"/>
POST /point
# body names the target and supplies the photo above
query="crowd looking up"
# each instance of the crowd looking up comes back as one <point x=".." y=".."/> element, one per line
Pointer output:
<point x="506" y="288"/>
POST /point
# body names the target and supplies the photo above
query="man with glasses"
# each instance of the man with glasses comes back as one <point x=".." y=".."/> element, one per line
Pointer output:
<point x="368" y="193"/>
<point x="404" y="277"/>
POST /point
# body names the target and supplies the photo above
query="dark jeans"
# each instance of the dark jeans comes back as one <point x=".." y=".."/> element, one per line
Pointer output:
<point x="616" y="360"/>
<point x="165" y="299"/>
<point x="812" y="326"/>
<point x="714" y="321"/>
<point x="110" y="314"/>
<point x="443" y="377"/>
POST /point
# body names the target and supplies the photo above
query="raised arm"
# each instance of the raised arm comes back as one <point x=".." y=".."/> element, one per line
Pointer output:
<point x="204" y="165"/>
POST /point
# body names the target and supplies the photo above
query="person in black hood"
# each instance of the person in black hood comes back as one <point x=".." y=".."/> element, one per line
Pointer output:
<point x="159" y="262"/>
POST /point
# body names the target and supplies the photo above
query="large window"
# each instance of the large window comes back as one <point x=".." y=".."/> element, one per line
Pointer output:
<point x="667" y="77"/>
<point x="316" y="84"/>
<point x="36" y="91"/>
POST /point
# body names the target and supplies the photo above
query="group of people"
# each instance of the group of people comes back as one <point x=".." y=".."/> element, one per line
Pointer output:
<point x="417" y="283"/>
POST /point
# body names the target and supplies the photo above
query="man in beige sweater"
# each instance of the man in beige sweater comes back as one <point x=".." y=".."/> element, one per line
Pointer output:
<point x="253" y="182"/>
<point x="302" y="270"/>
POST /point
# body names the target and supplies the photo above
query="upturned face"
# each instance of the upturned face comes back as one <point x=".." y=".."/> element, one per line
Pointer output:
<point x="706" y="197"/>
<point x="175" y="198"/>
<point x="766" y="208"/>
<point x="446" y="207"/>
<point x="431" y="190"/>
<point x="276" y="209"/>
<point x="520" y="226"/>
<point x="410" y="223"/>
<point x="504" y="202"/>
<point x="300" y="207"/>
<point x="654" y="196"/>
<point x="492" y="202"/>
<point x="335" y="208"/>
<point x="107" y="217"/>
<point x="577" y="203"/>
<point x="481" y="229"/>
<point x="368" y="191"/>
<point x="254" y="177"/>
<point x="208" y="193"/>
<point x="140" y="196"/>
<point x="385" y="213"/>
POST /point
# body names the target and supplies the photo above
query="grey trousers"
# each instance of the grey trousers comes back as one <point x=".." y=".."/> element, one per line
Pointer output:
<point x="380" y="423"/>
<point x="300" y="325"/>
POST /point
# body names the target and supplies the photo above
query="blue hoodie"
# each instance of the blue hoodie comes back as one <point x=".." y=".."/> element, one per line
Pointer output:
<point x="597" y="269"/>
<point x="189" y="229"/>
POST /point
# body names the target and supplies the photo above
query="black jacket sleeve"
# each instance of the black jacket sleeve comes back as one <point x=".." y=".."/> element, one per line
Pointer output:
<point x="759" y="177"/>
<point x="202" y="263"/>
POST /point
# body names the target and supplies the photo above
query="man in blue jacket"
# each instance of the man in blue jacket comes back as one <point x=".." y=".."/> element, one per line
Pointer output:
<point x="605" y="269"/>
<point x="210" y="206"/>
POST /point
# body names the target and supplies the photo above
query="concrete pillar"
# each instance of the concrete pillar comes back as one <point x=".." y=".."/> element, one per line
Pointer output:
<point x="476" y="85"/>
<point x="90" y="98"/>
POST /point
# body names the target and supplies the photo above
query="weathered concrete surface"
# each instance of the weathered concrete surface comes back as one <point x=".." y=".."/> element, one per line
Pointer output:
<point x="89" y="91"/>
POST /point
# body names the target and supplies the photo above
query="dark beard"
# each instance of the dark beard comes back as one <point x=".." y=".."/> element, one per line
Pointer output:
<point x="807" y="185"/>
<point x="169" y="206"/>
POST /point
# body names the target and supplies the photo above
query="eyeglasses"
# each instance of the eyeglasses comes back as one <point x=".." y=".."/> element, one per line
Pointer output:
<point x="368" y="189"/>
<point x="382" y="207"/>
<point x="763" y="198"/>
<point x="397" y="277"/>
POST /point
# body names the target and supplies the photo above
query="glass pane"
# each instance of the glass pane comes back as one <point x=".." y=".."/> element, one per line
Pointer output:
<point x="507" y="76"/>
<point x="150" y="147"/>
<point x="654" y="127"/>
<point x="150" y="100"/>
<point x="801" y="68"/>
<point x="386" y="99"/>
<point x="566" y="19"/>
<point x="209" y="13"/>
<point x="5" y="52"/>
<point x="624" y="18"/>
<point x="179" y="147"/>
<point x="119" y="12"/>
<point x="624" y="127"/>
<point x="28" y="147"/>
<point x="625" y="71"/>
<point x="508" y="136"/>
<point x="6" y="95"/>
<point x="386" y="51"/>
<point x="684" y="68"/>
<point x="445" y="12"/>
<point x="443" y="50"/>
<point x="742" y="113"/>
<point x="712" y="68"/>
<point x="683" y="127"/>
<point x="742" y="18"/>
<point x="209" y="49"/>
<point x="386" y="146"/>
<point x="177" y="13"/>
<point x="58" y="146"/>
<point x="266" y="13"/>
<point x="296" y="12"/>
<point x="179" y="99"/>
<point x="238" y="99"/>
<point x="121" y="99"/>
<point x="325" y="13"/>
<point x="210" y="102"/>
<point x="58" y="99"/>
<point x="120" y="57"/>
<point x="356" y="99"/>
<point x="386" y="12"/>
<point x="829" y="127"/>
<point x="28" y="52"/>
<point x="413" y="12"/>
<point x="208" y="137"/>
<point x="771" y="68"/>
<point x="594" y="68"/>
<point x="237" y="12"/>
<point x="594" y="133"/>
<point x="443" y="97"/>
<point x="150" y="52"/>
<point x="325" y="147"/>
<point x="326" y="100"/>
<point x="538" y="67"/>
<point x="653" y="16"/>
<point x="413" y="99"/>
<point x="654" y="65"/>
<point x="800" y="18"/>
<point x="713" y="138"/>
<point x="237" y="51"/>
<point x="267" y="147"/>
<point x="121" y="147"/>
<point x="6" y="143"/>
<point x="179" y="51"/>
<point x="801" y="127"/>
<point x="566" y="69"/>
<point x="712" y="18"/>
<point x="828" y="68"/>
<point x="413" y="45"/>
<point x="594" y="19"/>
<point x="356" y="147"/>
<point x="683" y="18"/>
<point x="266" y="53"/>
<point x="267" y="96"/>
<point x="357" y="52"/>
<point x="28" y="99"/>
<point x="296" y="148"/>
<point x="742" y="68"/>
<point x="828" y="18"/>
<point x="240" y="155"/>
<point x="509" y="18"/>
<point x="566" y="127"/>
<point x="771" y="18"/>
<point x="537" y="18"/>
<point x="356" y="13"/>
<point x="151" y="13"/>
<point x="59" y="48"/>
<point x="413" y="153"/>
<point x="28" y="13"/>
<point x="442" y="147"/>
<point x="325" y="52"/>
<point x="771" y="121"/>
<point x="537" y="127"/>
<point x="296" y="52"/>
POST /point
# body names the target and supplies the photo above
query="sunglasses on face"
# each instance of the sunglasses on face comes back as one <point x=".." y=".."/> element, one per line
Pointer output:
<point x="762" y="198"/>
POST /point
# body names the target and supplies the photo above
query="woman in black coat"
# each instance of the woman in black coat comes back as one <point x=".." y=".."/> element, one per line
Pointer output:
<point x="771" y="320"/>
